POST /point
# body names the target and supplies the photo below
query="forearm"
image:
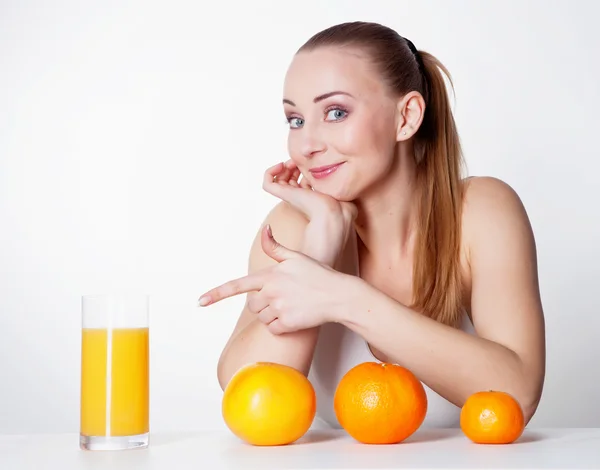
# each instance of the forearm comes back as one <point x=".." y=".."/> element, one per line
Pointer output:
<point x="255" y="343"/>
<point x="450" y="361"/>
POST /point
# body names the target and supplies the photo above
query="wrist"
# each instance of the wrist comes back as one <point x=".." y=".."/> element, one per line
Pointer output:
<point x="330" y="219"/>
<point x="350" y="299"/>
<point x="323" y="240"/>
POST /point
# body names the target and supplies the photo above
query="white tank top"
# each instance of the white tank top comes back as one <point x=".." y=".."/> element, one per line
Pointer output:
<point x="339" y="349"/>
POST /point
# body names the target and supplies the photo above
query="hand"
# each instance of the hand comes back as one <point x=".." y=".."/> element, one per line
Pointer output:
<point x="281" y="181"/>
<point x="330" y="220"/>
<point x="295" y="294"/>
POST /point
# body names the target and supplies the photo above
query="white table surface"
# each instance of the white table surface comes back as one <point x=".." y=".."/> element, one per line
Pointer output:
<point x="427" y="448"/>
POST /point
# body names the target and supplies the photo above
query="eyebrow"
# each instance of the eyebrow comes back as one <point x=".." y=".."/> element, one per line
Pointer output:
<point x="321" y="97"/>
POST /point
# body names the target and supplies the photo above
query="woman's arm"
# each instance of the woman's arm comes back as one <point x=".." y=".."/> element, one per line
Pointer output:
<point x="306" y="221"/>
<point x="251" y="341"/>
<point x="508" y="352"/>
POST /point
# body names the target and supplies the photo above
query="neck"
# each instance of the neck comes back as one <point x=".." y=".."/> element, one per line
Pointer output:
<point x="387" y="213"/>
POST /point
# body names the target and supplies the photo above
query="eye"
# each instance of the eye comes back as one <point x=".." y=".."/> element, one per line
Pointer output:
<point x="295" y="122"/>
<point x="336" y="114"/>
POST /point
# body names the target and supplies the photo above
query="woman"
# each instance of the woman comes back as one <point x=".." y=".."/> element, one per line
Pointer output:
<point x="383" y="251"/>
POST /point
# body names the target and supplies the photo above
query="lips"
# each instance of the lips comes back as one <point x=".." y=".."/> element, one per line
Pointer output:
<point x="324" y="171"/>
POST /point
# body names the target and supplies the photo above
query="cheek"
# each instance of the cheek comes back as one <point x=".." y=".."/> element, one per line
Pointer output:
<point x="370" y="138"/>
<point x="293" y="147"/>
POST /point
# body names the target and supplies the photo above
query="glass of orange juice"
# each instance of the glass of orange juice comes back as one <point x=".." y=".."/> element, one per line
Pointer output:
<point x="114" y="372"/>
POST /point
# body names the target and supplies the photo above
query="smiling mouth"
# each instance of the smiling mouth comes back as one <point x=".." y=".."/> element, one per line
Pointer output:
<point x="324" y="171"/>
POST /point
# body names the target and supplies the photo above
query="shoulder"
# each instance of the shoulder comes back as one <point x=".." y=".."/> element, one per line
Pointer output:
<point x="287" y="224"/>
<point x="488" y="199"/>
<point x="494" y="217"/>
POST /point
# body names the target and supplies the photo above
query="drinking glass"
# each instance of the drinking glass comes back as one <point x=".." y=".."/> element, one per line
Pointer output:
<point x="114" y="372"/>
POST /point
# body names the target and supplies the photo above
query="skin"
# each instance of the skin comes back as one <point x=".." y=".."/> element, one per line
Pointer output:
<point x="307" y="274"/>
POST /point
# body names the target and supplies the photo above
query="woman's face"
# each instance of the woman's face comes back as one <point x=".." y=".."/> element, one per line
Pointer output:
<point x="343" y="121"/>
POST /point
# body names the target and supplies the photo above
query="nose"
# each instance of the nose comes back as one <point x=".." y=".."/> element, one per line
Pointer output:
<point x="312" y="143"/>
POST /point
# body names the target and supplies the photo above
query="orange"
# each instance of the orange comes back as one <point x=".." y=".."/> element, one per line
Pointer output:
<point x="380" y="403"/>
<point x="492" y="417"/>
<point x="269" y="404"/>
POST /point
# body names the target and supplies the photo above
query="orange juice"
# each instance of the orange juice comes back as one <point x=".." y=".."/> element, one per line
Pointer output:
<point x="114" y="382"/>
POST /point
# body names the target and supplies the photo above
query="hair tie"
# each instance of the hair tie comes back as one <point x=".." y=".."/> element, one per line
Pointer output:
<point x="411" y="46"/>
<point x="415" y="52"/>
<point x="420" y="64"/>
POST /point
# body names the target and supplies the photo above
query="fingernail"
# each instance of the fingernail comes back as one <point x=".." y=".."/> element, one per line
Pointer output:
<point x="203" y="301"/>
<point x="269" y="230"/>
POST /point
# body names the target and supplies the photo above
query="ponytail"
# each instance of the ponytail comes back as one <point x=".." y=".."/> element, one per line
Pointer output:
<point x="437" y="286"/>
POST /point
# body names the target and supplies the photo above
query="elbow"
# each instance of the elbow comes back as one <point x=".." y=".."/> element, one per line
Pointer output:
<point x="223" y="375"/>
<point x="526" y="385"/>
<point x="529" y="395"/>
<point x="221" y="379"/>
<point x="529" y="405"/>
<point x="227" y="367"/>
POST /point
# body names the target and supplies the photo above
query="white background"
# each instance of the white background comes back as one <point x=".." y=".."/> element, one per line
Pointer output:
<point x="134" y="135"/>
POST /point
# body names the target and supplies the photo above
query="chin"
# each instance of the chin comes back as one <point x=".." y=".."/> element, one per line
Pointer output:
<point x="341" y="185"/>
<point x="339" y="194"/>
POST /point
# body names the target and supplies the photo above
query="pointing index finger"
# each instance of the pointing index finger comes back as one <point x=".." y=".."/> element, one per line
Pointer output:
<point x="231" y="288"/>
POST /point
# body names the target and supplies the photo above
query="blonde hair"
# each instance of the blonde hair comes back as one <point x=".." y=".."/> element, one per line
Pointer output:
<point x="437" y="286"/>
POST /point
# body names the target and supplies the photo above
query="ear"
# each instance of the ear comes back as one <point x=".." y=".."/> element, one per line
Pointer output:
<point x="410" y="112"/>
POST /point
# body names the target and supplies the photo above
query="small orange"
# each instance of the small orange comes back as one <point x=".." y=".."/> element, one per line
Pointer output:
<point x="492" y="417"/>
<point x="380" y="403"/>
<point x="269" y="404"/>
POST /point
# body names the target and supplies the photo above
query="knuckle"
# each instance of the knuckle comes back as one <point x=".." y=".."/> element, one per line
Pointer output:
<point x="263" y="318"/>
<point x="267" y="294"/>
<point x="251" y="303"/>
<point x="332" y="206"/>
<point x="278" y="305"/>
<point x="234" y="286"/>
<point x="287" y="322"/>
